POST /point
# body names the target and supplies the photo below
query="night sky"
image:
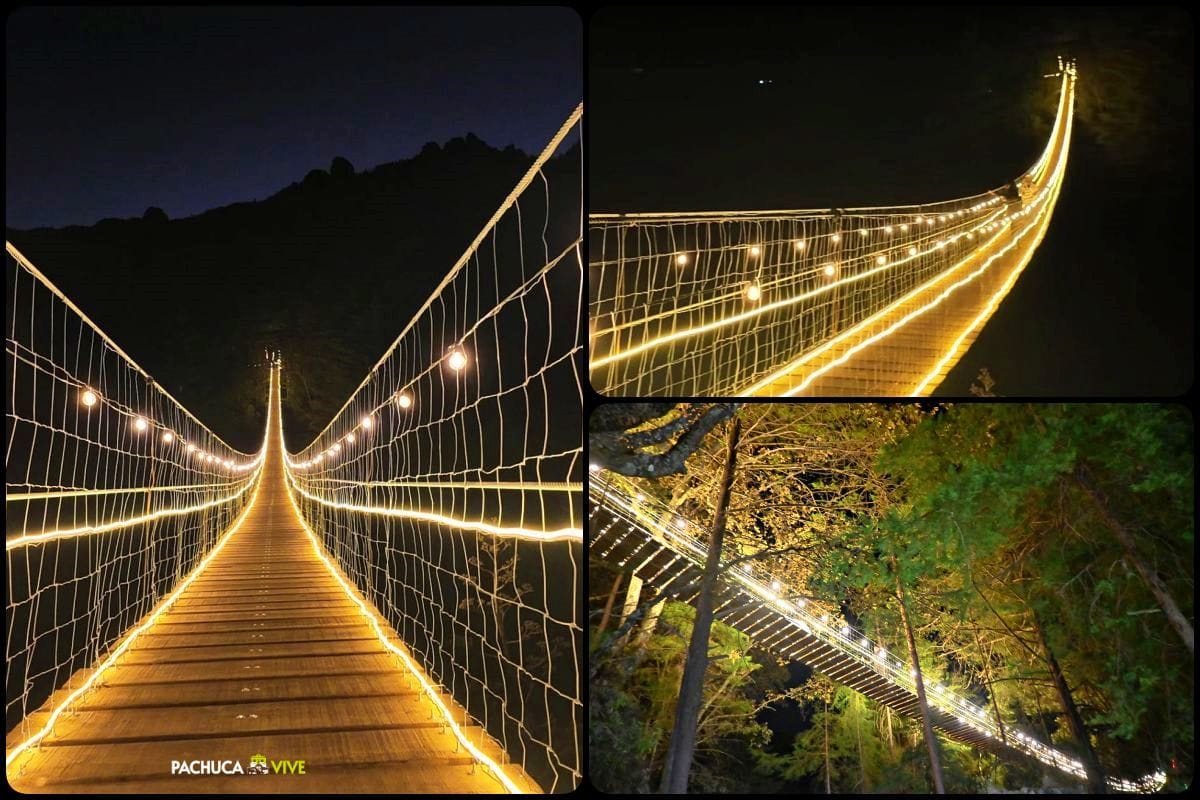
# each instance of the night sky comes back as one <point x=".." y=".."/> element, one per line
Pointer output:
<point x="815" y="108"/>
<point x="113" y="111"/>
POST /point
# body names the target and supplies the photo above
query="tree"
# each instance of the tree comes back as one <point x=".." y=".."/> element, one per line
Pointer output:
<point x="341" y="168"/>
<point x="650" y="439"/>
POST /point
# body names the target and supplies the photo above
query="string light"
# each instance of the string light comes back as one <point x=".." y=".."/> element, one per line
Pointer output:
<point x="367" y="422"/>
<point x="168" y="437"/>
<point x="139" y="424"/>
<point x="404" y="399"/>
<point x="457" y="360"/>
<point x="681" y="259"/>
<point x="754" y="251"/>
<point x="904" y="228"/>
<point x="829" y="270"/>
<point x="912" y="251"/>
<point x="753" y="293"/>
<point x="881" y="260"/>
<point x="799" y="244"/>
<point x="89" y="398"/>
<point x="833" y="237"/>
<point x="350" y="438"/>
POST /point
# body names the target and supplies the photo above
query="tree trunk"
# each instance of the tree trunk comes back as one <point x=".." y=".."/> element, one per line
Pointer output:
<point x="1167" y="603"/>
<point x="935" y="763"/>
<point x="608" y="605"/>
<point x="828" y="790"/>
<point x="1091" y="764"/>
<point x="987" y="682"/>
<point x="678" y="763"/>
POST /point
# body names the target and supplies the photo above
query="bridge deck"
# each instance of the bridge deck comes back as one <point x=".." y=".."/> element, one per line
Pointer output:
<point x="928" y="344"/>
<point x="263" y="653"/>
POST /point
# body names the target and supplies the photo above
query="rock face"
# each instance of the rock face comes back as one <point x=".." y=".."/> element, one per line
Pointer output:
<point x="341" y="168"/>
<point x="155" y="214"/>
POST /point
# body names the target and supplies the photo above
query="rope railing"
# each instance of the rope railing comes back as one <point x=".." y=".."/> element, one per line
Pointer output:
<point x="114" y="492"/>
<point x="711" y="304"/>
<point x="448" y="487"/>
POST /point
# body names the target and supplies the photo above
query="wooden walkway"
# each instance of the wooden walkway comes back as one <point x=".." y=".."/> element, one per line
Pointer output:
<point x="930" y="343"/>
<point x="901" y="353"/>
<point x="264" y="653"/>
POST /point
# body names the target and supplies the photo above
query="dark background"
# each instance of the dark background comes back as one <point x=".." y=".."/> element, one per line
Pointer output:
<point x="300" y="179"/>
<point x="748" y="108"/>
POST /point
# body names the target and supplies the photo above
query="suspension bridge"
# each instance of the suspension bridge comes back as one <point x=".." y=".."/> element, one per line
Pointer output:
<point x="668" y="551"/>
<point x="392" y="608"/>
<point x="872" y="302"/>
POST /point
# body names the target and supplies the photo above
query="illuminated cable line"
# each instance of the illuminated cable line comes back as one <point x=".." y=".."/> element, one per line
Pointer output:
<point x="450" y="522"/>
<point x="995" y="299"/>
<point x="38" y="538"/>
<point x="899" y="324"/>
<point x="1045" y="201"/>
<point x="373" y="618"/>
<point x="129" y="637"/>
<point x="24" y="497"/>
<point x="519" y="486"/>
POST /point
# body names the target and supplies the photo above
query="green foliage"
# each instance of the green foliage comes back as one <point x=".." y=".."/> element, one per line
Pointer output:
<point x="997" y="521"/>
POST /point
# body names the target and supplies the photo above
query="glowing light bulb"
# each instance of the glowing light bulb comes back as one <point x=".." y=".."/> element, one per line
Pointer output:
<point x="681" y="259"/>
<point x="367" y="422"/>
<point x="89" y="398"/>
<point x="887" y="228"/>
<point x="593" y="468"/>
<point x="350" y="438"/>
<point x="942" y="219"/>
<point x="139" y="424"/>
<point x="970" y="235"/>
<point x="862" y="232"/>
<point x="753" y="293"/>
<point x="168" y="437"/>
<point x="929" y="221"/>
<point x="755" y="251"/>
<point x="829" y="270"/>
<point x="834" y="238"/>
<point x="228" y="464"/>
<point x="191" y="448"/>
<point x="457" y="360"/>
<point x="912" y="251"/>
<point x="680" y="523"/>
<point x="919" y="220"/>
<point x="337" y="448"/>
<point x="404" y="399"/>
<point x="881" y="260"/>
<point x="845" y="630"/>
<point x="799" y="244"/>
<point x="800" y="602"/>
<point x="904" y="228"/>
<point x="776" y="586"/>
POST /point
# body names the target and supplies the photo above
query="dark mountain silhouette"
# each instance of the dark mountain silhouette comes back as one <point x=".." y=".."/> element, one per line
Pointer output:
<point x="327" y="270"/>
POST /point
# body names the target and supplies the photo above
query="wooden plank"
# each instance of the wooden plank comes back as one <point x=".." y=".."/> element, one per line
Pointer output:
<point x="263" y="653"/>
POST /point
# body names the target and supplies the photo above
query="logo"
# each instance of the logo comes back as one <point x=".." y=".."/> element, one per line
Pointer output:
<point x="258" y="765"/>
